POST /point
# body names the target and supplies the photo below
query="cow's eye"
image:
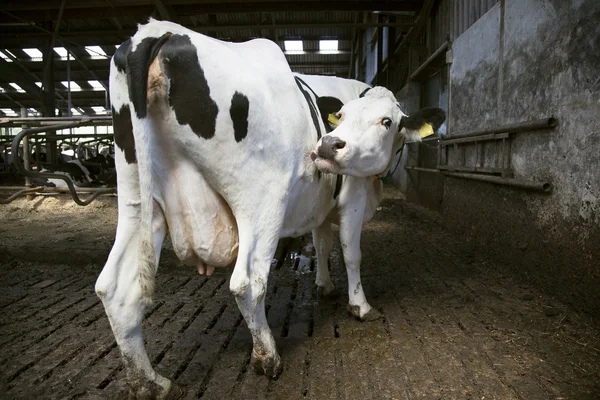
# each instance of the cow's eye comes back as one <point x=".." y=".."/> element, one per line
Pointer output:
<point x="386" y="122"/>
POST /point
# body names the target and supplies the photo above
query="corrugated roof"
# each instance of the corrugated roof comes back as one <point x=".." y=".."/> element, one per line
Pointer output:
<point x="93" y="23"/>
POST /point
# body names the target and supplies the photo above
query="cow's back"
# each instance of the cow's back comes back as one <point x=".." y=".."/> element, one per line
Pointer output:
<point x="207" y="115"/>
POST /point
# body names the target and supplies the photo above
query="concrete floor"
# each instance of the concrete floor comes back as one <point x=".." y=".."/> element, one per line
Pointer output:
<point x="455" y="327"/>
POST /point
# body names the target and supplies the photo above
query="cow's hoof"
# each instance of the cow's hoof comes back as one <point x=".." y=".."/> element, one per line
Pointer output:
<point x="265" y="365"/>
<point x="372" y="315"/>
<point x="327" y="291"/>
<point x="176" y="392"/>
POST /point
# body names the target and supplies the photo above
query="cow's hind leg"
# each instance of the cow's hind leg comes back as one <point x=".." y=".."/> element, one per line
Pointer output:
<point x="323" y="242"/>
<point x="124" y="301"/>
<point x="249" y="286"/>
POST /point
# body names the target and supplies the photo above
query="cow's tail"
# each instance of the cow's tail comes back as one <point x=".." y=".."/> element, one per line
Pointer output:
<point x="139" y="65"/>
<point x="143" y="72"/>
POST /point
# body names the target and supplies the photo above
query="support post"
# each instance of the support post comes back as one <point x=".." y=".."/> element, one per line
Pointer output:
<point x="26" y="154"/>
<point x="48" y="104"/>
<point x="380" y="81"/>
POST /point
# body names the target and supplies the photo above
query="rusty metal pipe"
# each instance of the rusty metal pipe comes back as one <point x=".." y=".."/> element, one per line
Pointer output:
<point x="412" y="168"/>
<point x="519" y="183"/>
<point x="544" y="123"/>
<point x="27" y="190"/>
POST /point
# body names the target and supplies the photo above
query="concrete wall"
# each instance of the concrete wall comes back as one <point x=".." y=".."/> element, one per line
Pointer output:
<point x="524" y="60"/>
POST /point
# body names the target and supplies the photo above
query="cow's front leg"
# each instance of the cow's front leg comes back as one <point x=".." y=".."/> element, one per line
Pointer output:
<point x="323" y="242"/>
<point x="351" y="220"/>
<point x="249" y="286"/>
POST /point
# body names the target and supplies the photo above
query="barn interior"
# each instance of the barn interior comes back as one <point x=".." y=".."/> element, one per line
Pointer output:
<point x="483" y="258"/>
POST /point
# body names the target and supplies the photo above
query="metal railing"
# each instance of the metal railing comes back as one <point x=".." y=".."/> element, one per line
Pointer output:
<point x="52" y="127"/>
<point x="482" y="174"/>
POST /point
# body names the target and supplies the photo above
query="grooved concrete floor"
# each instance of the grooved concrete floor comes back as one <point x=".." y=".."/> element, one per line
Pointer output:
<point x="455" y="327"/>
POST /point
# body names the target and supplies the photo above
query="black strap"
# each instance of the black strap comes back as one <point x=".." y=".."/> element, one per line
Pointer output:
<point x="305" y="84"/>
<point x="311" y="105"/>
<point x="315" y="118"/>
<point x="338" y="186"/>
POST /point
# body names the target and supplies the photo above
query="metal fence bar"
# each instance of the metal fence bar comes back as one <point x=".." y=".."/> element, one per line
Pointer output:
<point x="38" y="121"/>
<point x="46" y="175"/>
<point x="478" y="138"/>
<point x="27" y="190"/>
<point x="519" y="183"/>
<point x="544" y="123"/>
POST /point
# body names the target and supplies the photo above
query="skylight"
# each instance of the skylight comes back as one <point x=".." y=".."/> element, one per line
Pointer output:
<point x="328" y="46"/>
<point x="62" y="52"/>
<point x="9" y="112"/>
<point x="74" y="86"/>
<point x="95" y="51"/>
<point x="34" y="54"/>
<point x="39" y="84"/>
<point x="75" y="111"/>
<point x="5" y="55"/>
<point x="16" y="87"/>
<point x="96" y="85"/>
<point x="293" y="46"/>
<point x="99" y="109"/>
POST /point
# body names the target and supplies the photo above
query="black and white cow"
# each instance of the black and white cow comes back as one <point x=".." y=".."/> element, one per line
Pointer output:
<point x="221" y="145"/>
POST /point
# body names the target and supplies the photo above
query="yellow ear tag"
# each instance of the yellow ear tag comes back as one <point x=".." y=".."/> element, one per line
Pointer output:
<point x="426" y="130"/>
<point x="333" y="119"/>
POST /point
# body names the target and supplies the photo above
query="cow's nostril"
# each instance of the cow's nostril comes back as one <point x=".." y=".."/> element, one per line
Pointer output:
<point x="339" y="144"/>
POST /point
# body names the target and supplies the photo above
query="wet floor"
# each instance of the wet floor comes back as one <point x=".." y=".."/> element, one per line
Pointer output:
<point x="455" y="326"/>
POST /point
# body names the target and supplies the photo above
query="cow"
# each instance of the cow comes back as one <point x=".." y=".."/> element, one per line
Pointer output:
<point x="221" y="145"/>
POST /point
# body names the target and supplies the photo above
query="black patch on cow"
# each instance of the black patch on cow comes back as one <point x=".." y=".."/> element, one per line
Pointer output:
<point x="138" y="63"/>
<point x="362" y="94"/>
<point x="311" y="104"/>
<point x="120" y="56"/>
<point x="239" y="115"/>
<point x="338" y="186"/>
<point x="124" y="133"/>
<point x="328" y="105"/>
<point x="189" y="94"/>
<point x="430" y="115"/>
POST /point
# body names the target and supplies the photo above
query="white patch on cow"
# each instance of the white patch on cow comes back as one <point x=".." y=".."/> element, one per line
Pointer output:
<point x="119" y="95"/>
<point x="59" y="183"/>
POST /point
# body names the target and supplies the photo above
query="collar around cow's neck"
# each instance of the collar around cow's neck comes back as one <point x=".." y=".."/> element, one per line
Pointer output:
<point x="314" y="113"/>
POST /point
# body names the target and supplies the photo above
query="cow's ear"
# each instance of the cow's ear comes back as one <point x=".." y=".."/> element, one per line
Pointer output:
<point x="329" y="107"/>
<point x="422" y="123"/>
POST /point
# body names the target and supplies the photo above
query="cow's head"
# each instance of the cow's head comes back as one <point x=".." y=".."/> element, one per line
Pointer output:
<point x="371" y="130"/>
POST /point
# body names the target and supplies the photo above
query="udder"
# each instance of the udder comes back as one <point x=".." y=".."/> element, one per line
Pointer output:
<point x="201" y="225"/>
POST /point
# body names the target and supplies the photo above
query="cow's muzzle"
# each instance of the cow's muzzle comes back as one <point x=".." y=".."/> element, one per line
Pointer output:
<point x="329" y="147"/>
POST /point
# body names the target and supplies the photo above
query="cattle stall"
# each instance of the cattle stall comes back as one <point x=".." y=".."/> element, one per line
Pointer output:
<point x="482" y="257"/>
